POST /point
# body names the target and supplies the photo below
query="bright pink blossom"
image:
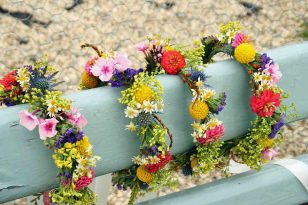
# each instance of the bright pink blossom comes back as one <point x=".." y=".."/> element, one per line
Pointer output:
<point x="273" y="70"/>
<point x="212" y="134"/>
<point x="84" y="181"/>
<point x="47" y="128"/>
<point x="76" y="118"/>
<point x="121" y="62"/>
<point x="103" y="68"/>
<point x="142" y="46"/>
<point x="28" y="120"/>
<point x="269" y="154"/>
<point x="239" y="38"/>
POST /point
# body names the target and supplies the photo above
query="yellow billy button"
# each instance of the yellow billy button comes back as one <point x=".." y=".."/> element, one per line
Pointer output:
<point x="89" y="81"/>
<point x="143" y="93"/>
<point x="144" y="175"/>
<point x="245" y="53"/>
<point x="198" y="110"/>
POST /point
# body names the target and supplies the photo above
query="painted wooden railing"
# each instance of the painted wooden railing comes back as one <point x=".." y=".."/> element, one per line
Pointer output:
<point x="26" y="166"/>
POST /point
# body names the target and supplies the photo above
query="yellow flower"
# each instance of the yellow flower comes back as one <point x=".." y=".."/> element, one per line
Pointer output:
<point x="245" y="53"/>
<point x="169" y="48"/>
<point x="84" y="146"/>
<point x="267" y="143"/>
<point x="68" y="145"/>
<point x="89" y="81"/>
<point x="143" y="93"/>
<point x="144" y="175"/>
<point x="198" y="110"/>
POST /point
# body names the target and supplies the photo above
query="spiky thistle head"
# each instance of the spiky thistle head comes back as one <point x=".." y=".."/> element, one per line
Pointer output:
<point x="43" y="81"/>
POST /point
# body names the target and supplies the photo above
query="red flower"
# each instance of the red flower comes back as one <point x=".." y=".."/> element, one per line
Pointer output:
<point x="163" y="161"/>
<point x="172" y="62"/>
<point x="84" y="181"/>
<point x="9" y="80"/>
<point x="265" y="103"/>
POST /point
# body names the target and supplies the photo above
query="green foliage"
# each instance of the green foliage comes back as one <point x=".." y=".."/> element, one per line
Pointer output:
<point x="207" y="157"/>
<point x="249" y="149"/>
<point x="67" y="195"/>
<point x="163" y="178"/>
<point x="193" y="55"/>
<point x="304" y="32"/>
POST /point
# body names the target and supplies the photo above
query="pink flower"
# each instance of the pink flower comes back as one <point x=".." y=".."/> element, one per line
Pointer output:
<point x="47" y="128"/>
<point x="212" y="134"/>
<point x="121" y="62"/>
<point x="103" y="69"/>
<point x="273" y="70"/>
<point x="28" y="120"/>
<point x="76" y="118"/>
<point x="239" y="38"/>
<point x="268" y="154"/>
<point x="84" y="181"/>
<point x="142" y="46"/>
<point x="89" y="65"/>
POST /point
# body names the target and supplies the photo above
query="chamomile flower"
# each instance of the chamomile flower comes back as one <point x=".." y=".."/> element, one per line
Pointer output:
<point x="131" y="112"/>
<point x="131" y="127"/>
<point x="149" y="107"/>
<point x="160" y="106"/>
<point x="195" y="125"/>
<point x="208" y="93"/>
<point x="257" y="77"/>
<point x="199" y="83"/>
<point x="213" y="123"/>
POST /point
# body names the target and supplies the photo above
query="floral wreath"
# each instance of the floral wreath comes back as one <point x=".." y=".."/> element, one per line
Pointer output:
<point x="59" y="126"/>
<point x="257" y="145"/>
<point x="143" y="100"/>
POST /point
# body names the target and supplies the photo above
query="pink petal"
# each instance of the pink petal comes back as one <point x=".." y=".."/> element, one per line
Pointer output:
<point x="96" y="68"/>
<point x="47" y="128"/>
<point x="28" y="120"/>
<point x="122" y="62"/>
<point x="81" y="122"/>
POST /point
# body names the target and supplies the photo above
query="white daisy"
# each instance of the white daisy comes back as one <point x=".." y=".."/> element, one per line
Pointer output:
<point x="131" y="112"/>
<point x="149" y="107"/>
<point x="131" y="127"/>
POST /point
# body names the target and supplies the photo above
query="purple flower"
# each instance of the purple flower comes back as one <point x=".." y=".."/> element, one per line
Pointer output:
<point x="124" y="78"/>
<point x="7" y="102"/>
<point x="264" y="60"/>
<point x="222" y="103"/>
<point x="119" y="187"/>
<point x="69" y="136"/>
<point x="276" y="127"/>
<point x="67" y="175"/>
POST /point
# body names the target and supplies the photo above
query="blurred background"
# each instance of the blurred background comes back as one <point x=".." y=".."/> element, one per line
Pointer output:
<point x="31" y="28"/>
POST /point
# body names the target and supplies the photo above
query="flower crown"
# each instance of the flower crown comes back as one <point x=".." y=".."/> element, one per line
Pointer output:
<point x="59" y="126"/>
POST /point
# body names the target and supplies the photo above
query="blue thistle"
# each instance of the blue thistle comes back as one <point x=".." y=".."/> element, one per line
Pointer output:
<point x="196" y="75"/>
<point x="39" y="80"/>
<point x="186" y="170"/>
